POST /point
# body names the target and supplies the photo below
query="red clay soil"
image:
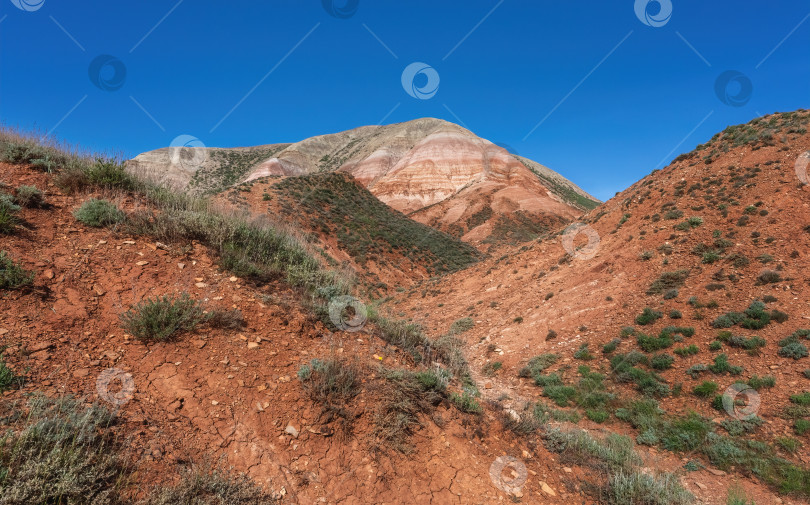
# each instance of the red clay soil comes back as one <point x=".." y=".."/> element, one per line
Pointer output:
<point x="515" y="298"/>
<point x="230" y="396"/>
<point x="234" y="395"/>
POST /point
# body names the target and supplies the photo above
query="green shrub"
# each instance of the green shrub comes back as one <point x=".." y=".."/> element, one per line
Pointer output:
<point x="8" y="379"/>
<point x="675" y="314"/>
<point x="710" y="257"/>
<point x="537" y="365"/>
<point x="98" y="213"/>
<point x="209" y="486"/>
<point x="788" y="444"/>
<point x="662" y="361"/>
<point x="668" y="280"/>
<point x="611" y="346"/>
<point x="795" y="350"/>
<point x="694" y="371"/>
<point x="628" y="331"/>
<point x="802" y="399"/>
<point x="466" y="403"/>
<point x="706" y="389"/>
<point x="108" y="174"/>
<point x="801" y="426"/>
<point x="597" y="416"/>
<point x="614" y="452"/>
<point x="651" y="344"/>
<point x="715" y="345"/>
<point x="648" y="316"/>
<point x="640" y="488"/>
<point x="749" y="344"/>
<point x="721" y="365"/>
<point x="560" y="394"/>
<point x="583" y="353"/>
<point x="758" y="383"/>
<point x="61" y="452"/>
<point x="330" y="382"/>
<point x="491" y="368"/>
<point x="30" y="197"/>
<point x="12" y="274"/>
<point x="462" y="325"/>
<point x="163" y="318"/>
<point x="689" y="350"/>
<point x="8" y="219"/>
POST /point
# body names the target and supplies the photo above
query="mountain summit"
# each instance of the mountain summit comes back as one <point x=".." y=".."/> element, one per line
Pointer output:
<point x="434" y="171"/>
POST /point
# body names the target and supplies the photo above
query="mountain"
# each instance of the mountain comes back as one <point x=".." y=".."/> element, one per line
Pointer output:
<point x="434" y="171"/>
<point x="655" y="350"/>
<point x="692" y="280"/>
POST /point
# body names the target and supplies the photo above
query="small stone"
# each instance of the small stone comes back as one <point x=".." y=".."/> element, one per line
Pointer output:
<point x="40" y="346"/>
<point x="81" y="372"/>
<point x="715" y="471"/>
<point x="233" y="279"/>
<point x="48" y="274"/>
<point x="567" y="470"/>
<point x="214" y="402"/>
<point x="99" y="290"/>
<point x="128" y="242"/>
<point x="198" y="343"/>
<point x="547" y="489"/>
<point x="201" y="284"/>
<point x="701" y="486"/>
<point x="142" y="263"/>
<point x="252" y="345"/>
<point x="290" y="430"/>
<point x="181" y="266"/>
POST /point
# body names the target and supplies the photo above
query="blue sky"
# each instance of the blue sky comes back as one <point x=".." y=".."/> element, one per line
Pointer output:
<point x="590" y="89"/>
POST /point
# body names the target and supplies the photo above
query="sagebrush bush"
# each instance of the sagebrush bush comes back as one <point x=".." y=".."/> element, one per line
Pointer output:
<point x="330" y="381"/>
<point x="12" y="274"/>
<point x="795" y="350"/>
<point x="98" y="213"/>
<point x="8" y="379"/>
<point x="648" y="316"/>
<point x="8" y="216"/>
<point x="662" y="361"/>
<point x="465" y="402"/>
<point x="231" y="319"/>
<point x="61" y="452"/>
<point x="163" y="318"/>
<point x="637" y="487"/>
<point x="30" y="197"/>
<point x="706" y="389"/>
<point x="769" y="277"/>
<point x="209" y="486"/>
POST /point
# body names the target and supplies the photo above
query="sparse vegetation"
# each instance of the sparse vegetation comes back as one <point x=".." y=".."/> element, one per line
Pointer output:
<point x="705" y="389"/>
<point x="163" y="318"/>
<point x="648" y="316"/>
<point x="12" y="273"/>
<point x="29" y="197"/>
<point x="98" y="213"/>
<point x="667" y="281"/>
<point x="61" y="452"/>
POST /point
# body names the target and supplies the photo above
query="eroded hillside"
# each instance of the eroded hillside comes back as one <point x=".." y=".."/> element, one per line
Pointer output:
<point x="436" y="172"/>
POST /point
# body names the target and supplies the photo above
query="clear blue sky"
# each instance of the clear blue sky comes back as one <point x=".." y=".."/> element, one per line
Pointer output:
<point x="503" y="67"/>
